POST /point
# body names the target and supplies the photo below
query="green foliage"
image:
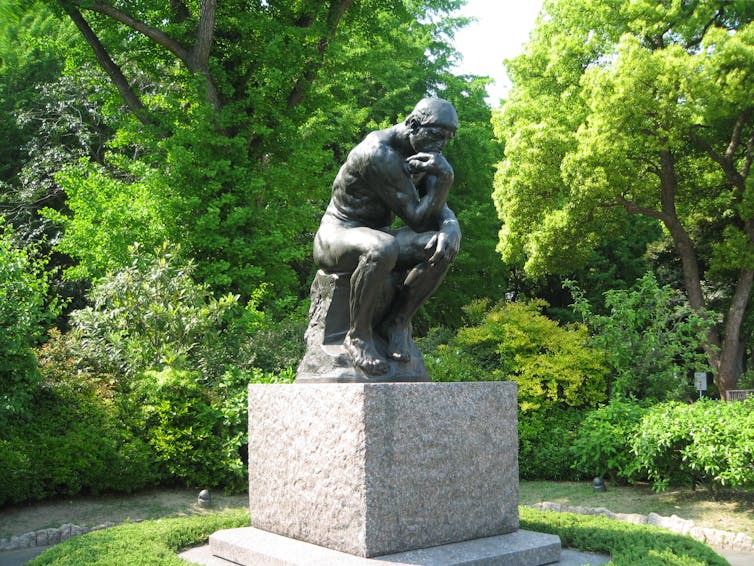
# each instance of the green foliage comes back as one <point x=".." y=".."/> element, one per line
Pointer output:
<point x="652" y="340"/>
<point x="31" y="45"/>
<point x="708" y="443"/>
<point x="545" y="437"/>
<point x="25" y="310"/>
<point x="550" y="363"/>
<point x="626" y="543"/>
<point x="149" y="543"/>
<point x="106" y="218"/>
<point x="192" y="441"/>
<point x="603" y="440"/>
<point x="152" y="315"/>
<point x="635" y="108"/>
<point x="75" y="443"/>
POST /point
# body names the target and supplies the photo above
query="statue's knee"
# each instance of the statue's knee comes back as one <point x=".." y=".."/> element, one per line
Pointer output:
<point x="384" y="255"/>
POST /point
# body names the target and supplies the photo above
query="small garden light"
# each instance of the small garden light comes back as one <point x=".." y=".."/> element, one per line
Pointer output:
<point x="205" y="498"/>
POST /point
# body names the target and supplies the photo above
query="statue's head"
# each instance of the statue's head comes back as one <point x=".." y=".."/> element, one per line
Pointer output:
<point x="432" y="123"/>
<point x="434" y="112"/>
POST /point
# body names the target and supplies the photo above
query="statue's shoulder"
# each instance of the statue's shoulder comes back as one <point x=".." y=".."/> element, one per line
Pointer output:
<point x="377" y="150"/>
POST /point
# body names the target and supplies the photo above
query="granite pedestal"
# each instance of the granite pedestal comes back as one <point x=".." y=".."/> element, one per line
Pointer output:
<point x="373" y="470"/>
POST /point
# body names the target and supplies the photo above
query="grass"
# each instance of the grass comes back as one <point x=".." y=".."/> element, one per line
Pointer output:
<point x="175" y="522"/>
<point x="733" y="511"/>
<point x="150" y="543"/>
<point x="157" y="542"/>
<point x="626" y="543"/>
<point x="90" y="511"/>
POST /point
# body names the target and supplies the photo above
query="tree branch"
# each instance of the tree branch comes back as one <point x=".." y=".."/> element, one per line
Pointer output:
<point x="749" y="157"/>
<point x="632" y="208"/>
<point x="156" y="35"/>
<point x="335" y="14"/>
<point x="110" y="67"/>
<point x="195" y="59"/>
<point x="735" y="138"/>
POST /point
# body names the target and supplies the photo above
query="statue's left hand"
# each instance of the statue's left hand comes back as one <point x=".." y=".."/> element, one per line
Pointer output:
<point x="444" y="246"/>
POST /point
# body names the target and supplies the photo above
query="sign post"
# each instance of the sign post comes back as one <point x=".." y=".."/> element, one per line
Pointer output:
<point x="700" y="381"/>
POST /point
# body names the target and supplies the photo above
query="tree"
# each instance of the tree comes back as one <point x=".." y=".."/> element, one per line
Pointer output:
<point x="637" y="108"/>
<point x="236" y="118"/>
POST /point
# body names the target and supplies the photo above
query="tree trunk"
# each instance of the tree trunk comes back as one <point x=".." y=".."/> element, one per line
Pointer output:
<point x="714" y="346"/>
<point x="730" y="365"/>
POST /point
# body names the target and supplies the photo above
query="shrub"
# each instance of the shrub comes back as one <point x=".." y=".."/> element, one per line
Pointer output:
<point x="176" y="417"/>
<point x="196" y="433"/>
<point x="25" y="309"/>
<point x="544" y="439"/>
<point x="75" y="443"/>
<point x="651" y="338"/>
<point x="550" y="363"/>
<point x="152" y="315"/>
<point x="602" y="444"/>
<point x="707" y="442"/>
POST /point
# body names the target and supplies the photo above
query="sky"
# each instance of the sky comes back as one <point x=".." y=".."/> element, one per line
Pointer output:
<point x="501" y="29"/>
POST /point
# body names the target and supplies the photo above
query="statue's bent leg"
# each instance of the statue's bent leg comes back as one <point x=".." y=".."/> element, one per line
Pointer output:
<point x="375" y="254"/>
<point x="421" y="282"/>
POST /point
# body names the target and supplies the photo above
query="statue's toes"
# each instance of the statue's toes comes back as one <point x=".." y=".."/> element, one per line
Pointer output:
<point x="375" y="367"/>
<point x="400" y="356"/>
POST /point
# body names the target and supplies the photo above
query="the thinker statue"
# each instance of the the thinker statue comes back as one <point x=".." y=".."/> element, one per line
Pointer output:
<point x="390" y="272"/>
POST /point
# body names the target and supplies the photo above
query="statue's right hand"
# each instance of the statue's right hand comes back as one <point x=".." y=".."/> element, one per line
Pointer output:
<point x="434" y="163"/>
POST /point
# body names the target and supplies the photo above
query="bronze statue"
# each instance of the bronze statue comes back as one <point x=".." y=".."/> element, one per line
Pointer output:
<point x="399" y="171"/>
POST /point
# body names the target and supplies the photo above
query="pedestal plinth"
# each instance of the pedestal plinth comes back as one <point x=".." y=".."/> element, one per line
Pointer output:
<point x="373" y="469"/>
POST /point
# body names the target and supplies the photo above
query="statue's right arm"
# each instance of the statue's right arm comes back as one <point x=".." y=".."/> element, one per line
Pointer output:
<point x="389" y="176"/>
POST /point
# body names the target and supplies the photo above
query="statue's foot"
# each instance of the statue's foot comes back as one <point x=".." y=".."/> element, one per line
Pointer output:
<point x="398" y="342"/>
<point x="365" y="356"/>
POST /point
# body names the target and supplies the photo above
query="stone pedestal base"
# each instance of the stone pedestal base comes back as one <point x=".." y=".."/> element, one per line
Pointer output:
<point x="376" y="469"/>
<point x="255" y="547"/>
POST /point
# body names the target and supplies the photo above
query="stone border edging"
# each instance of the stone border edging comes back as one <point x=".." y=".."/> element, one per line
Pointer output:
<point x="714" y="537"/>
<point x="48" y="537"/>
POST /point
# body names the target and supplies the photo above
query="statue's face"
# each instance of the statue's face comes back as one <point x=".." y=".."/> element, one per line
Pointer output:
<point x="430" y="138"/>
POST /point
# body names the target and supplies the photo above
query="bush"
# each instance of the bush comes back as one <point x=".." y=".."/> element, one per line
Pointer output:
<point x="152" y="315"/>
<point x="74" y="444"/>
<point x="25" y="309"/>
<point x="602" y="445"/>
<point x="651" y="338"/>
<point x="708" y="442"/>
<point x="176" y="417"/>
<point x="196" y="433"/>
<point x="550" y="363"/>
<point x="544" y="439"/>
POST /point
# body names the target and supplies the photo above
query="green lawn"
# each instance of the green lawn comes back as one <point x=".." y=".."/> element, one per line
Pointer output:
<point x="732" y="511"/>
<point x="182" y="524"/>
